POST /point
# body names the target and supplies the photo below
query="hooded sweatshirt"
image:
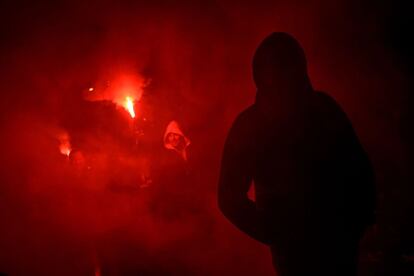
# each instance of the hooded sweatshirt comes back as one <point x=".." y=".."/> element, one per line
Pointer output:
<point x="174" y="128"/>
<point x="310" y="172"/>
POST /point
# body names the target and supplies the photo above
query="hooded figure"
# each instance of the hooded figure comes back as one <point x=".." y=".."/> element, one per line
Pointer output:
<point x="174" y="139"/>
<point x="172" y="179"/>
<point x="314" y="184"/>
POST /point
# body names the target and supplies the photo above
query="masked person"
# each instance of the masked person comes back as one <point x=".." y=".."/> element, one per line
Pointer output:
<point x="313" y="181"/>
<point x="172" y="184"/>
<point x="175" y="140"/>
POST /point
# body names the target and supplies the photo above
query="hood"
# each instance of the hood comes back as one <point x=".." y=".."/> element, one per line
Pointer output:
<point x="174" y="127"/>
<point x="280" y="67"/>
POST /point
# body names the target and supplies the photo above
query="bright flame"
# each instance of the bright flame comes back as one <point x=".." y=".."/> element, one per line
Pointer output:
<point x="65" y="149"/>
<point x="129" y="106"/>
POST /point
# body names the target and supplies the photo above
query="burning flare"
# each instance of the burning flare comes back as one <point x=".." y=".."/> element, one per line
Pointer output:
<point x="129" y="106"/>
<point x="65" y="148"/>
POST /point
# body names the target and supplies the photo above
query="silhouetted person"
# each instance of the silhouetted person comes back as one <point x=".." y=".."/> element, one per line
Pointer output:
<point x="314" y="184"/>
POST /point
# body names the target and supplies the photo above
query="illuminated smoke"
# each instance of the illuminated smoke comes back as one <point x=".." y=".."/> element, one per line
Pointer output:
<point x="199" y="56"/>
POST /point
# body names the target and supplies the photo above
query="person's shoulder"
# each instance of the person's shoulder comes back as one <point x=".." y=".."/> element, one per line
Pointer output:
<point x="242" y="127"/>
<point x="331" y="113"/>
<point x="322" y="99"/>
<point x="246" y="115"/>
<point x="244" y="119"/>
<point x="328" y="106"/>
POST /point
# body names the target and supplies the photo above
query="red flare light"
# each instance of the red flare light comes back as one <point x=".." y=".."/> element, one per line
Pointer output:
<point x="65" y="147"/>
<point x="129" y="106"/>
<point x="65" y="150"/>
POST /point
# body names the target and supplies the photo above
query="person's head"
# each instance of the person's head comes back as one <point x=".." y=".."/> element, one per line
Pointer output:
<point x="279" y="65"/>
<point x="175" y="140"/>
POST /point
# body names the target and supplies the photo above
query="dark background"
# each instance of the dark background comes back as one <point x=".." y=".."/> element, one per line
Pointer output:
<point x="198" y="56"/>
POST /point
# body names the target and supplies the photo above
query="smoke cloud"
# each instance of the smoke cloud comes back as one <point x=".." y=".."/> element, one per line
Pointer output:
<point x="189" y="62"/>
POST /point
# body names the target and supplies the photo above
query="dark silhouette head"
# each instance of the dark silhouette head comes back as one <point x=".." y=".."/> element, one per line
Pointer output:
<point x="279" y="66"/>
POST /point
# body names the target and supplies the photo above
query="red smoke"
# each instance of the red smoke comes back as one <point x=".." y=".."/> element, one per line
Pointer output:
<point x="187" y="62"/>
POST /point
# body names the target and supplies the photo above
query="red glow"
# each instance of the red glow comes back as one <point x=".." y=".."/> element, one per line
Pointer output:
<point x="65" y="147"/>
<point x="124" y="89"/>
<point x="116" y="88"/>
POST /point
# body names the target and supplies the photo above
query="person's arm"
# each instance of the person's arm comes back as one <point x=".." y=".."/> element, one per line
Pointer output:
<point x="362" y="177"/>
<point x="234" y="183"/>
<point x="354" y="163"/>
